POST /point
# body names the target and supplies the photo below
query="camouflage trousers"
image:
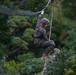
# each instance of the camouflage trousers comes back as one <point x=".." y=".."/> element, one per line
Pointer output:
<point x="47" y="45"/>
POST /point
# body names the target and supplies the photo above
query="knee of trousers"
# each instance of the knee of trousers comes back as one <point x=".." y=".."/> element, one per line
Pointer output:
<point x="52" y="43"/>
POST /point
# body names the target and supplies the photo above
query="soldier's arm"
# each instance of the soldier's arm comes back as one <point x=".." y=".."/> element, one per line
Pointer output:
<point x="45" y="36"/>
<point x="39" y="18"/>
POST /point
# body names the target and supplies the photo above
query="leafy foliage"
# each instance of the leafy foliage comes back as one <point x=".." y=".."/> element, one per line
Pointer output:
<point x="19" y="42"/>
<point x="68" y="8"/>
<point x="70" y="41"/>
<point x="72" y="68"/>
<point x="32" y="66"/>
<point x="60" y="63"/>
<point x="28" y="33"/>
<point x="11" y="67"/>
<point x="24" y="57"/>
<point x="3" y="50"/>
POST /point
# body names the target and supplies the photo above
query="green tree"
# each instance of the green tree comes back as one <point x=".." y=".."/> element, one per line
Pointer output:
<point x="61" y="63"/>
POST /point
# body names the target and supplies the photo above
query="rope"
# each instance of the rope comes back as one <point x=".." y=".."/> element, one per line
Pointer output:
<point x="8" y="11"/>
<point x="47" y="4"/>
<point x="44" y="72"/>
<point x="52" y="15"/>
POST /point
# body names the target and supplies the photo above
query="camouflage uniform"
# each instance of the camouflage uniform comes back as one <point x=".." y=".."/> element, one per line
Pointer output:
<point x="40" y="37"/>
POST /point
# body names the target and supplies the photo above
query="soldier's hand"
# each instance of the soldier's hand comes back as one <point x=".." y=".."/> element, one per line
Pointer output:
<point x="42" y="12"/>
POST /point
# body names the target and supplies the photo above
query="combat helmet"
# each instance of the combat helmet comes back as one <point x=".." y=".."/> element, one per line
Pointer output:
<point x="44" y="21"/>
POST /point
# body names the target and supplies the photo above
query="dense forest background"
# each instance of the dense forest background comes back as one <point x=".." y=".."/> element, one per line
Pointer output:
<point x="19" y="56"/>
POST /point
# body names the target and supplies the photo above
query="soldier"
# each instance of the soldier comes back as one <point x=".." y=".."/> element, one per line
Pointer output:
<point x="40" y="37"/>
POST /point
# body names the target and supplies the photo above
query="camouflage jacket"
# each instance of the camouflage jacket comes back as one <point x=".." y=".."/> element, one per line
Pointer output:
<point x="40" y="32"/>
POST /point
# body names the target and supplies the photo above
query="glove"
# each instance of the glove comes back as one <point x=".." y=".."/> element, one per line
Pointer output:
<point x="42" y="12"/>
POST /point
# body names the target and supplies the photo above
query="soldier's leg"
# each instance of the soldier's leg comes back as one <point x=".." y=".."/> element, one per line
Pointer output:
<point x="49" y="50"/>
<point x="49" y="46"/>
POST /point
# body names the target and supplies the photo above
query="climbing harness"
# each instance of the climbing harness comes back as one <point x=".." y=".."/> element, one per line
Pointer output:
<point x="8" y="11"/>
